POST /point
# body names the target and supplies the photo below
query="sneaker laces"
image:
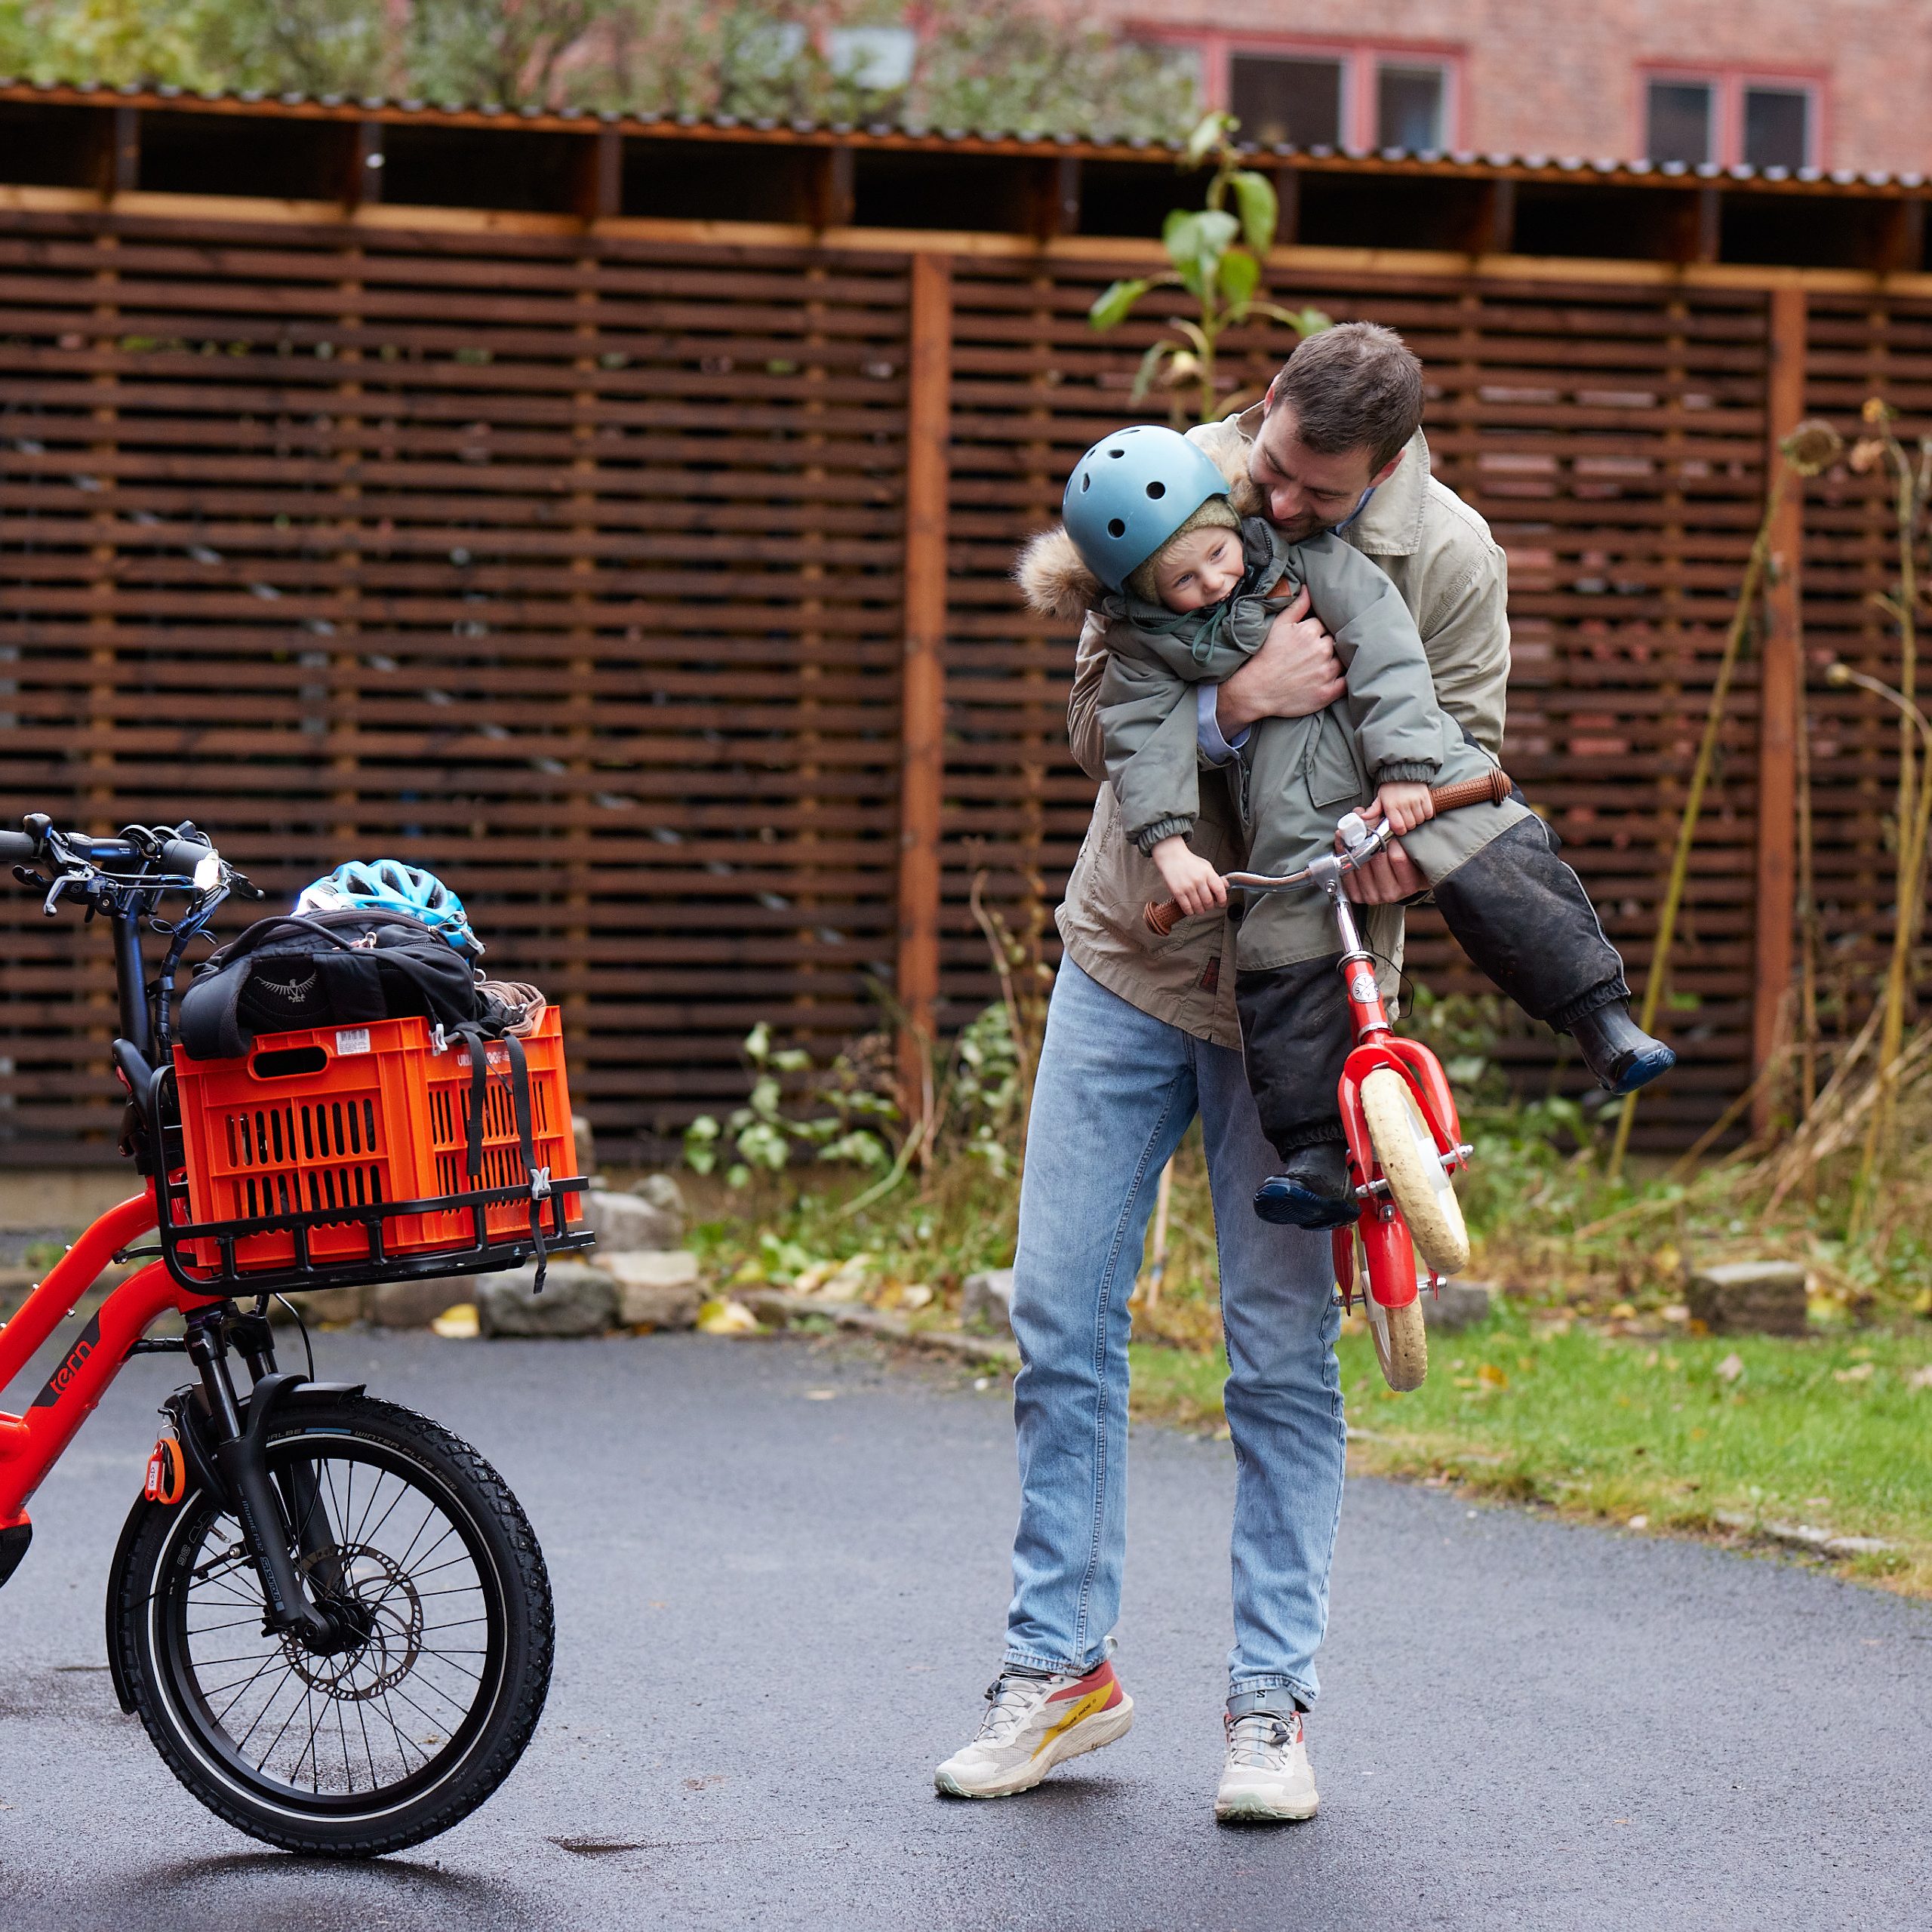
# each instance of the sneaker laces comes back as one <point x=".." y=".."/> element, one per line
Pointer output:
<point x="1260" y="1740"/>
<point x="1009" y="1699"/>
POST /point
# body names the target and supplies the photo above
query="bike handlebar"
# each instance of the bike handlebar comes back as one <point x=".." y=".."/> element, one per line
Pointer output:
<point x="18" y="848"/>
<point x="164" y="848"/>
<point x="1491" y="789"/>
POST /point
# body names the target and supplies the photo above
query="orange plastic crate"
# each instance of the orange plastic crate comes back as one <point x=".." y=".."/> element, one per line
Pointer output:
<point x="356" y="1116"/>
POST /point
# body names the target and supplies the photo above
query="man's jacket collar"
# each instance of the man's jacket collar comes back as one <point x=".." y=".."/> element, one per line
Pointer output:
<point x="1390" y="524"/>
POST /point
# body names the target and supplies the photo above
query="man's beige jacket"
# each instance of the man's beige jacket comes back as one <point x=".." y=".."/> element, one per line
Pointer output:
<point x="1452" y="576"/>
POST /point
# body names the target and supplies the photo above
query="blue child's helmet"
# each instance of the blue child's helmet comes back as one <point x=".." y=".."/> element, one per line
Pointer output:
<point x="1130" y="492"/>
<point x="387" y="885"/>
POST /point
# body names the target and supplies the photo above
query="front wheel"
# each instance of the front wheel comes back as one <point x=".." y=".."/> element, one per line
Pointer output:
<point x="433" y="1575"/>
<point x="1405" y="1151"/>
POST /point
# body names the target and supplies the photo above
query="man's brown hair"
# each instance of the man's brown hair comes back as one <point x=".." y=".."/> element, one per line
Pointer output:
<point x="1355" y="386"/>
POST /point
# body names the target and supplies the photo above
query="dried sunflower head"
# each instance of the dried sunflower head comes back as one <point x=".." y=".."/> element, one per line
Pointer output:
<point x="1813" y="447"/>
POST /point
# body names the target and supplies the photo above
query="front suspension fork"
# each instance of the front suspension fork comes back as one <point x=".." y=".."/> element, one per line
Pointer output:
<point x="270" y="1520"/>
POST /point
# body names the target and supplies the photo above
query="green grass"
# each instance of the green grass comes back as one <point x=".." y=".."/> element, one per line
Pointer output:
<point x="1829" y="1432"/>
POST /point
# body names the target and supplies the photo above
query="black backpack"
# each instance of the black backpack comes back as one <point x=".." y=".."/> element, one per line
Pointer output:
<point x="328" y="969"/>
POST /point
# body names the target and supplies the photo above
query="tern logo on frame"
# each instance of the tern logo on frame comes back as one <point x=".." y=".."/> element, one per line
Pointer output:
<point x="58" y="1383"/>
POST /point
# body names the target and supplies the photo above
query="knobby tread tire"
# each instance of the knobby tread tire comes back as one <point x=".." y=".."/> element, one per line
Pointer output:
<point x="529" y="1611"/>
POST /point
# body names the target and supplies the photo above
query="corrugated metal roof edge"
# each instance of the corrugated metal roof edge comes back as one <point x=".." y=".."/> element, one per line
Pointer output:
<point x="884" y="135"/>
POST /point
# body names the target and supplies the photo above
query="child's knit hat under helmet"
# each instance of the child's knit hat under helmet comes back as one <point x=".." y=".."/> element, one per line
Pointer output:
<point x="1132" y="494"/>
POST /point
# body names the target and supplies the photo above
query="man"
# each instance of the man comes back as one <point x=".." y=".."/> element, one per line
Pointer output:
<point x="1142" y="1034"/>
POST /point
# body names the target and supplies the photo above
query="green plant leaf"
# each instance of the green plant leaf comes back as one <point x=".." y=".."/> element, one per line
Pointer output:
<point x="1115" y="303"/>
<point x="1303" y="321"/>
<point x="1150" y="368"/>
<point x="1254" y="196"/>
<point x="1209" y="131"/>
<point x="1239" y="276"/>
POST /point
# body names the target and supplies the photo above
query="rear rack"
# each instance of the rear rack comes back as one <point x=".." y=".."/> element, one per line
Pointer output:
<point x="483" y="1256"/>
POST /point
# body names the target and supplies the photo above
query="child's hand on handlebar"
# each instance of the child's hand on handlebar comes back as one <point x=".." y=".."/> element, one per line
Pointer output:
<point x="1196" y="886"/>
<point x="1405" y="806"/>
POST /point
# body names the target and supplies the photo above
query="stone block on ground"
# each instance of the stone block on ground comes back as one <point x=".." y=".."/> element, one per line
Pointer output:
<point x="987" y="1298"/>
<point x="325" y="1305"/>
<point x="663" y="1193"/>
<point x="1748" y="1297"/>
<point x="416" y="1304"/>
<point x="655" y="1290"/>
<point x="577" y="1300"/>
<point x="585" y="1141"/>
<point x="1457" y="1305"/>
<point x="627" y="1224"/>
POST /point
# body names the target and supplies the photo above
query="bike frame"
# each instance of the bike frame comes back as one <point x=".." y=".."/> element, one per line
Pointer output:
<point x="31" y="1444"/>
<point x="1388" y="1253"/>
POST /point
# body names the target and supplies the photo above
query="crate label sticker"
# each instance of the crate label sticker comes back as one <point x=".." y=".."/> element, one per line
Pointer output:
<point x="352" y="1040"/>
<point x="494" y="1058"/>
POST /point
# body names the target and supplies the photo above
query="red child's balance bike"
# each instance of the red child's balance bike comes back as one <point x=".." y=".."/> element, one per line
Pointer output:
<point x="1397" y="1113"/>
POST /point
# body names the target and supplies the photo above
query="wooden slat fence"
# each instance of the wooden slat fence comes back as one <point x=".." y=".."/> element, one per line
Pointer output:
<point x="579" y="566"/>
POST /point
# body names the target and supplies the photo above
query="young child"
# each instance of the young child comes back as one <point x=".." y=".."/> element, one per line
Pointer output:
<point x="1155" y="538"/>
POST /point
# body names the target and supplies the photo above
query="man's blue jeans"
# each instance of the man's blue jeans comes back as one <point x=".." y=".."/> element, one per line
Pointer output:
<point x="1114" y="1091"/>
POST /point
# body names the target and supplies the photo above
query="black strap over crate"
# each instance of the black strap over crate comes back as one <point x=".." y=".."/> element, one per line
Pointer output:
<point x="539" y="1178"/>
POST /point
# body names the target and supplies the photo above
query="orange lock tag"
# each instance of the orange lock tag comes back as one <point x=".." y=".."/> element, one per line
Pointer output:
<point x="167" y="1473"/>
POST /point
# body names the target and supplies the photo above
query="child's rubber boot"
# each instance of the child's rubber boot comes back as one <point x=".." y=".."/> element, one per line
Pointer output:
<point x="1312" y="1190"/>
<point x="1618" y="1051"/>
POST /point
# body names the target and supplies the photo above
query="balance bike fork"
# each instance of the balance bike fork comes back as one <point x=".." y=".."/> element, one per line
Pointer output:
<point x="1391" y="1258"/>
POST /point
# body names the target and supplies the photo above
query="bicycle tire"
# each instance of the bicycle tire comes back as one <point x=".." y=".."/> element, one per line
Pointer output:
<point x="161" y="1665"/>
<point x="1405" y="1150"/>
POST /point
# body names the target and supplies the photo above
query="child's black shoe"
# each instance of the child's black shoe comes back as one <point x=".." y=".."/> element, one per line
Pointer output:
<point x="1618" y="1051"/>
<point x="1312" y="1190"/>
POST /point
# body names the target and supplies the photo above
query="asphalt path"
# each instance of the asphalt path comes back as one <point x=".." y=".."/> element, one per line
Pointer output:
<point x="781" y="1574"/>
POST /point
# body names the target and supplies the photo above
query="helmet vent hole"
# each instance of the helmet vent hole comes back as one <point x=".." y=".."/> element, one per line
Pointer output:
<point x="1116" y="452"/>
<point x="1157" y="491"/>
<point x="1115" y="527"/>
<point x="1086" y="481"/>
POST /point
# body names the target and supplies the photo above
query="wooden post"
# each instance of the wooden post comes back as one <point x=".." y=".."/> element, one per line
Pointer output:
<point x="922" y="688"/>
<point x="1780" y="672"/>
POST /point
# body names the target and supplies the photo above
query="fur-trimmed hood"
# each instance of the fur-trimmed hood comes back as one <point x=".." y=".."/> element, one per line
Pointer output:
<point x="1057" y="583"/>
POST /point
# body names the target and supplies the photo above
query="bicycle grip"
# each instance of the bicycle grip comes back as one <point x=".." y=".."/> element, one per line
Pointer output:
<point x="1491" y="789"/>
<point x="18" y="848"/>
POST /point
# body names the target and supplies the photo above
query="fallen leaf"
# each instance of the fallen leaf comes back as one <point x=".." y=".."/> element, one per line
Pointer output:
<point x="1490" y="1376"/>
<point x="1920" y="1378"/>
<point x="1624" y="1311"/>
<point x="1674" y="1311"/>
<point x="916" y="1294"/>
<point x="458" y="1324"/>
<point x="723" y="1316"/>
<point x="821" y="1395"/>
<point x="1862" y="1372"/>
<point x="1730" y="1368"/>
<point x="1640" y="1523"/>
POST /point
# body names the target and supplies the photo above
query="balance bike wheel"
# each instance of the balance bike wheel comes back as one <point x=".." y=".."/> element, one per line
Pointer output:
<point x="1406" y="1151"/>
<point x="1401" y="1344"/>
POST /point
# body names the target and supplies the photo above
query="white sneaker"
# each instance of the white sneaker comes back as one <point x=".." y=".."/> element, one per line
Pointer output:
<point x="1267" y="1778"/>
<point x="1035" y="1723"/>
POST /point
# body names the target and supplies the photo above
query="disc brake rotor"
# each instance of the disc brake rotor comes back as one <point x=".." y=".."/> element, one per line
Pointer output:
<point x="378" y="1597"/>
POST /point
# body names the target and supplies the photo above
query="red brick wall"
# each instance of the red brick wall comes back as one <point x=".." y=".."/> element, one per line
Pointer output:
<point x="1564" y="77"/>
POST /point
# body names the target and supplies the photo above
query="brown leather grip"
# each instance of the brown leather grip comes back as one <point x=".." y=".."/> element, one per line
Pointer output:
<point x="1490" y="789"/>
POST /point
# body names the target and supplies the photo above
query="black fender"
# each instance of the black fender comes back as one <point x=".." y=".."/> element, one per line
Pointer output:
<point x="187" y="1409"/>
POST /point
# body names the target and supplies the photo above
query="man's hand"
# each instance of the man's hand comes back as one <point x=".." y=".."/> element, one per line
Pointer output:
<point x="1390" y="876"/>
<point x="1294" y="674"/>
<point x="1196" y="886"/>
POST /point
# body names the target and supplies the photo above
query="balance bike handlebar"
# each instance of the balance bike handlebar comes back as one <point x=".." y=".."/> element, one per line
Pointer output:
<point x="1490" y="789"/>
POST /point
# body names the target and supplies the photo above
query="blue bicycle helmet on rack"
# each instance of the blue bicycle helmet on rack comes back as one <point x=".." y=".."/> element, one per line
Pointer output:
<point x="1130" y="492"/>
<point x="388" y="885"/>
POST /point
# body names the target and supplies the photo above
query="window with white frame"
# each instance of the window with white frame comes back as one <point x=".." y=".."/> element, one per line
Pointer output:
<point x="1730" y="118"/>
